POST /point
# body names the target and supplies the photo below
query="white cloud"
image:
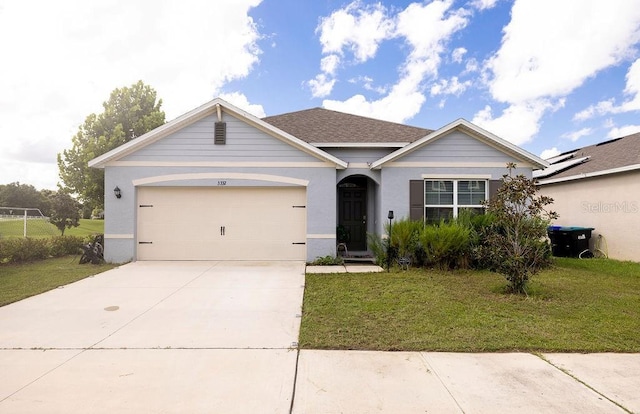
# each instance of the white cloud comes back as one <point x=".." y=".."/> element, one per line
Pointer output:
<point x="518" y="123"/>
<point x="526" y="67"/>
<point x="240" y="100"/>
<point x="527" y="71"/>
<point x="426" y="28"/>
<point x="449" y="87"/>
<point x="632" y="89"/>
<point x="329" y="64"/>
<point x="356" y="27"/>
<point x="576" y="135"/>
<point x="623" y="131"/>
<point x="549" y="153"/>
<point x="321" y="86"/>
<point x="70" y="55"/>
<point x="457" y="54"/>
<point x="484" y="4"/>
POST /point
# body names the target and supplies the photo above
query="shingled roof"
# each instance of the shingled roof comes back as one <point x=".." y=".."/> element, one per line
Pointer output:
<point x="324" y="126"/>
<point x="605" y="156"/>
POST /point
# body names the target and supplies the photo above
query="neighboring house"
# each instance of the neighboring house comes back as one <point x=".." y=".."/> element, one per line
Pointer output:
<point x="220" y="184"/>
<point x="599" y="186"/>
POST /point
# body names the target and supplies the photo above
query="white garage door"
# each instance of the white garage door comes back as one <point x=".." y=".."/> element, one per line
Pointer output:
<point x="213" y="223"/>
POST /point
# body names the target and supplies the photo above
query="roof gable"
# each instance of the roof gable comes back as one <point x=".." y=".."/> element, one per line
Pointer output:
<point x="216" y="106"/>
<point x="324" y="127"/>
<point x="473" y="131"/>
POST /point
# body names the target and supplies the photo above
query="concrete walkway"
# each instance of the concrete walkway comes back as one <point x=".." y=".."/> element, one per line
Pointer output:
<point x="220" y="337"/>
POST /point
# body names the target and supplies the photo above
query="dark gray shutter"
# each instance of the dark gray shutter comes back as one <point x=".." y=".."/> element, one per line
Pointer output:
<point x="416" y="199"/>
<point x="220" y="133"/>
<point x="494" y="185"/>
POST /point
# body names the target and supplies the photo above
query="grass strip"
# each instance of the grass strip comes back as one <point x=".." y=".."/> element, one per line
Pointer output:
<point x="576" y="306"/>
<point x="20" y="281"/>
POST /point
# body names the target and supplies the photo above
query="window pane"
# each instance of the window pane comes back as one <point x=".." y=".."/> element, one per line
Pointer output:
<point x="439" y="192"/>
<point x="435" y="214"/>
<point x="471" y="192"/>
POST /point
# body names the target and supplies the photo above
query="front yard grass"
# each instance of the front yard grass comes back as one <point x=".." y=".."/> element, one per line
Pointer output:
<point x="576" y="306"/>
<point x="20" y="281"/>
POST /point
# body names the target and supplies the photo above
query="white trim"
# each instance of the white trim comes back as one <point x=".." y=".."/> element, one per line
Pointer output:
<point x="477" y="132"/>
<point x="434" y="164"/>
<point x="360" y="144"/>
<point x="222" y="175"/>
<point x="361" y="165"/>
<point x="225" y="164"/>
<point x="118" y="236"/>
<point x="202" y="111"/>
<point x="617" y="170"/>
<point x="464" y="177"/>
<point x="321" y="236"/>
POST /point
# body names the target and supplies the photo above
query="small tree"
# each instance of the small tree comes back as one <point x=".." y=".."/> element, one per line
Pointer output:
<point x="64" y="212"/>
<point x="515" y="244"/>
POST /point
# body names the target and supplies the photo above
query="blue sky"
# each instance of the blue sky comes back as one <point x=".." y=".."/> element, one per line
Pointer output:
<point x="546" y="75"/>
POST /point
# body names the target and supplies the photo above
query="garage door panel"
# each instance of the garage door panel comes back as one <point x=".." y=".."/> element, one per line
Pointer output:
<point x="202" y="223"/>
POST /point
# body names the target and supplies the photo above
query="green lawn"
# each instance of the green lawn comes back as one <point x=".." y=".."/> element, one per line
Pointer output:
<point x="39" y="228"/>
<point x="577" y="306"/>
<point x="20" y="281"/>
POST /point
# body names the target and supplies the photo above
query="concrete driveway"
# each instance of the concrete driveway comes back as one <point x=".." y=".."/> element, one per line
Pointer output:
<point x="156" y="337"/>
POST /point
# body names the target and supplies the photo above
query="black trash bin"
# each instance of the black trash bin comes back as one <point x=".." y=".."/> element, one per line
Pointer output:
<point x="569" y="241"/>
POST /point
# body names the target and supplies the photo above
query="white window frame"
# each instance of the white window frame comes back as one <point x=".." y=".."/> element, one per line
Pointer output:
<point x="455" y="206"/>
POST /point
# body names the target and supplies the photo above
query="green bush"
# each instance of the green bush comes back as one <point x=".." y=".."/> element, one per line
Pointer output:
<point x="378" y="247"/>
<point x="19" y="250"/>
<point x="516" y="244"/>
<point x="64" y="245"/>
<point x="404" y="237"/>
<point x="447" y="244"/>
<point x="327" y="260"/>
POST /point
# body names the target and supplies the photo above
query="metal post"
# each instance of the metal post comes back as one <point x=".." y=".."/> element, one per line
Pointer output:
<point x="25" y="224"/>
<point x="390" y="217"/>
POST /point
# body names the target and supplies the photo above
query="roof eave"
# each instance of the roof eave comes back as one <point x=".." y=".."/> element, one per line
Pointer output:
<point x="592" y="174"/>
<point x="461" y="123"/>
<point x="198" y="113"/>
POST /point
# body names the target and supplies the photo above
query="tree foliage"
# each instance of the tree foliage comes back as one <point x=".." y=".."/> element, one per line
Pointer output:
<point x="129" y="112"/>
<point x="64" y="212"/>
<point x="23" y="195"/>
<point x="515" y="244"/>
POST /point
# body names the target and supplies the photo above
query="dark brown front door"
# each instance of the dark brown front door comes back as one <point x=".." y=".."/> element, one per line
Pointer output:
<point x="352" y="201"/>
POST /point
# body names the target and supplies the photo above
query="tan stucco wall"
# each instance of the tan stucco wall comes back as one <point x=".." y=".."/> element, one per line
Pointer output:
<point x="611" y="204"/>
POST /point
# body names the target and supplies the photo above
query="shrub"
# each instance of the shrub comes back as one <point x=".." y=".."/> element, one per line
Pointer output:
<point x="404" y="237"/>
<point x="447" y="244"/>
<point x="378" y="247"/>
<point x="63" y="245"/>
<point x="327" y="260"/>
<point x="17" y="250"/>
<point x="515" y="244"/>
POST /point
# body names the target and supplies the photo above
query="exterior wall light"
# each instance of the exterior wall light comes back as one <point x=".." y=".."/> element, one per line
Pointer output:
<point x="117" y="192"/>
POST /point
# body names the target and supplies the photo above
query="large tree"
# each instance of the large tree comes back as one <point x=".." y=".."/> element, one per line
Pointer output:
<point x="129" y="112"/>
<point x="23" y="195"/>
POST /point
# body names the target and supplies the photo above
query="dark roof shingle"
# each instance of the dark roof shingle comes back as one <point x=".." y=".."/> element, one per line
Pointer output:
<point x="318" y="125"/>
<point x="616" y="153"/>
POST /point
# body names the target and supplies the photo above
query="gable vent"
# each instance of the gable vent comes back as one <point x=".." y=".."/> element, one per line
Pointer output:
<point x="220" y="133"/>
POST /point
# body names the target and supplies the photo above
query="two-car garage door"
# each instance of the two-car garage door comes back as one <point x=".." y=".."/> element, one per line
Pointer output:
<point x="221" y="223"/>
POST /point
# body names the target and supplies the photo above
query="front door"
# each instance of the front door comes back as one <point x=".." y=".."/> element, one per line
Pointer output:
<point x="352" y="201"/>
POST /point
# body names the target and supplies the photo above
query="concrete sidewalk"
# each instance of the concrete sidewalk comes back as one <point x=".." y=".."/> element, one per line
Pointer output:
<point x="430" y="382"/>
